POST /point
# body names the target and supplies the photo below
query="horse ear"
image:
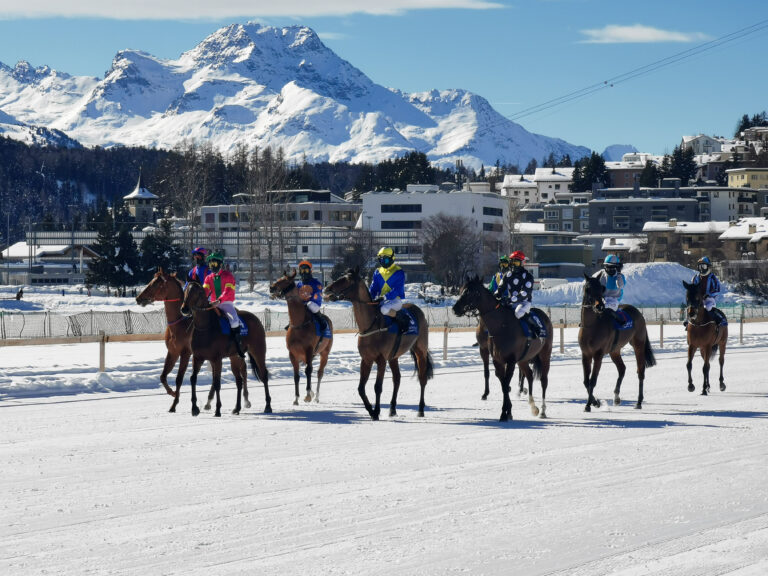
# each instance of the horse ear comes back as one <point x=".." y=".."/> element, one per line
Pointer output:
<point x="292" y="275"/>
<point x="159" y="269"/>
<point x="586" y="276"/>
<point x="686" y="285"/>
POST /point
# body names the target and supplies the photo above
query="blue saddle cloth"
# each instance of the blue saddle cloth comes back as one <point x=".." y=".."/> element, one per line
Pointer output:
<point x="393" y="327"/>
<point x="225" y="325"/>
<point x="322" y="333"/>
<point x="626" y="321"/>
<point x="527" y="329"/>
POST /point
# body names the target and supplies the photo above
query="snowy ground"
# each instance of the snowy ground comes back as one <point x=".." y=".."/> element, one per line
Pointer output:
<point x="99" y="479"/>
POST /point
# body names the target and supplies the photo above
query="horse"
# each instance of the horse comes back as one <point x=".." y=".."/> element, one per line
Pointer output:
<point x="211" y="344"/>
<point x="703" y="334"/>
<point x="483" y="343"/>
<point x="377" y="345"/>
<point x="598" y="337"/>
<point x="167" y="288"/>
<point x="301" y="338"/>
<point x="509" y="345"/>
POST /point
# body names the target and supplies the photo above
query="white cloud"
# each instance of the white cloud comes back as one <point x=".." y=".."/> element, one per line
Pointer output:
<point x="331" y="35"/>
<point x="615" y="34"/>
<point x="205" y="9"/>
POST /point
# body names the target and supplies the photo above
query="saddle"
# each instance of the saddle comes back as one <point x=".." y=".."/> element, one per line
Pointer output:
<point x="226" y="329"/>
<point x="621" y="320"/>
<point x="394" y="327"/>
<point x="540" y="330"/>
<point x="324" y="331"/>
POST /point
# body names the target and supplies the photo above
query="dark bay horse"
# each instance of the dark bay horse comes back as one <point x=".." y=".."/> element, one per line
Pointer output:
<point x="704" y="334"/>
<point x="210" y="344"/>
<point x="508" y="344"/>
<point x="598" y="337"/>
<point x="483" y="344"/>
<point x="377" y="345"/>
<point x="301" y="338"/>
<point x="167" y="288"/>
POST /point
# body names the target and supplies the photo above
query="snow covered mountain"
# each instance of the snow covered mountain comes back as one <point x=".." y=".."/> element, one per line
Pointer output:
<point x="265" y="86"/>
<point x="615" y="152"/>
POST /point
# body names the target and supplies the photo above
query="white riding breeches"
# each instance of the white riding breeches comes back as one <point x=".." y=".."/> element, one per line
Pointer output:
<point x="709" y="303"/>
<point x="313" y="307"/>
<point x="394" y="304"/>
<point x="522" y="309"/>
<point x="612" y="303"/>
<point x="229" y="309"/>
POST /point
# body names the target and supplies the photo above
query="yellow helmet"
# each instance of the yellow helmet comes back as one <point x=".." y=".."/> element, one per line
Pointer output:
<point x="386" y="251"/>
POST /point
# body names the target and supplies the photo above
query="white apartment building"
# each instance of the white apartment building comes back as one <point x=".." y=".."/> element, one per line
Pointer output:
<point x="540" y="187"/>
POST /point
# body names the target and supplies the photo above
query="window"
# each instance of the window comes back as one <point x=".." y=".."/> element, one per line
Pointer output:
<point x="401" y="224"/>
<point x="390" y="208"/>
<point x="304" y="249"/>
<point x="545" y="194"/>
<point x="224" y="217"/>
<point x="333" y="215"/>
<point x="568" y="226"/>
<point x="318" y="215"/>
<point x="551" y="215"/>
<point x="304" y="215"/>
<point x="585" y="226"/>
<point x="552" y="226"/>
<point x="488" y="211"/>
<point x="210" y="217"/>
<point x="346" y="216"/>
<point x="584" y="213"/>
<point x="557" y="186"/>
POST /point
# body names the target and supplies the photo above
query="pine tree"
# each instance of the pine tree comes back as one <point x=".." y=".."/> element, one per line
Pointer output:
<point x="159" y="251"/>
<point x="649" y="177"/>
<point x="101" y="268"/>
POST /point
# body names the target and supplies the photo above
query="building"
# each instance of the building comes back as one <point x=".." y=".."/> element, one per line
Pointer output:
<point x="520" y="188"/>
<point x="626" y="173"/>
<point x="747" y="177"/>
<point x="629" y="215"/>
<point x="551" y="181"/>
<point x="701" y="144"/>
<point x="141" y="203"/>
<point x="684" y="241"/>
<point x="566" y="217"/>
<point x="746" y="239"/>
<point x="529" y="236"/>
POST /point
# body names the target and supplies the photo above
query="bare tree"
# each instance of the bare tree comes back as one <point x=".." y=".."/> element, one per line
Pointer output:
<point x="451" y="248"/>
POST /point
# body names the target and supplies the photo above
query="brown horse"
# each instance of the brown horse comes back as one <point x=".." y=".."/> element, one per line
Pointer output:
<point x="376" y="344"/>
<point x="598" y="337"/>
<point x="508" y="344"/>
<point x="211" y="344"/>
<point x="704" y="334"/>
<point x="483" y="344"/>
<point x="167" y="288"/>
<point x="301" y="338"/>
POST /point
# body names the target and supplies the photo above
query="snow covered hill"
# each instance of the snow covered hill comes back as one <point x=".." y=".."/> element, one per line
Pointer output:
<point x="262" y="86"/>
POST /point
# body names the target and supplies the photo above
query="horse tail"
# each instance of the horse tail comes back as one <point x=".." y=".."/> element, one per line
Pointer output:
<point x="255" y="367"/>
<point x="650" y="359"/>
<point x="430" y="364"/>
<point x="536" y="367"/>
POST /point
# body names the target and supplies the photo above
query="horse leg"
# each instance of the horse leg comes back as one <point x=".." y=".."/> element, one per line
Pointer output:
<point x="722" y="361"/>
<point x="586" y="364"/>
<point x="689" y="366"/>
<point x="706" y="351"/>
<point x="244" y="374"/>
<point x="506" y="406"/>
<point x="238" y="369"/>
<point x="321" y="370"/>
<point x="196" y="365"/>
<point x="394" y="365"/>
<point x="381" y="369"/>
<point x="216" y="370"/>
<point x="597" y="361"/>
<point x="622" y="368"/>
<point x="170" y="362"/>
<point x="365" y="372"/>
<point x="544" y="377"/>
<point x="264" y="377"/>
<point x="183" y="363"/>
<point x="522" y="377"/>
<point x="484" y="354"/>
<point x="526" y="373"/>
<point x="308" y="374"/>
<point x="295" y="364"/>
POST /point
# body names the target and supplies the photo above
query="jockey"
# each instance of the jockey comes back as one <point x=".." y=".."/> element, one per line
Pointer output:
<point x="311" y="291"/>
<point x="200" y="270"/>
<point x="613" y="281"/>
<point x="503" y="269"/>
<point x="388" y="285"/>
<point x="220" y="287"/>
<point x="711" y="290"/>
<point x="516" y="290"/>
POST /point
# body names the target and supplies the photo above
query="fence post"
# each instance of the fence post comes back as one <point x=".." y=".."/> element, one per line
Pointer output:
<point x="741" y="330"/>
<point x="445" y="341"/>
<point x="661" y="332"/>
<point x="562" y="336"/>
<point x="267" y="319"/>
<point x="102" y="351"/>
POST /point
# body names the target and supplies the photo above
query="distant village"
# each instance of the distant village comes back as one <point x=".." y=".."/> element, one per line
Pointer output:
<point x="563" y="233"/>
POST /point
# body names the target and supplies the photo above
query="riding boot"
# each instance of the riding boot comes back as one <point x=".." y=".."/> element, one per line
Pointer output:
<point x="238" y="341"/>
<point x="321" y="323"/>
<point x="719" y="317"/>
<point x="403" y="322"/>
<point x="614" y="315"/>
<point x="532" y="325"/>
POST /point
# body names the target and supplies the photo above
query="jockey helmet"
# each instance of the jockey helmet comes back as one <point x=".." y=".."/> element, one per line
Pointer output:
<point x="305" y="264"/>
<point x="386" y="257"/>
<point x="504" y="261"/>
<point x="517" y="257"/>
<point x="305" y="270"/>
<point x="215" y="260"/>
<point x="705" y="266"/>
<point x="199" y="251"/>
<point x="611" y="264"/>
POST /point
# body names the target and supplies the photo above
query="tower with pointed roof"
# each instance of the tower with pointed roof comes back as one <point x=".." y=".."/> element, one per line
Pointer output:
<point x="141" y="202"/>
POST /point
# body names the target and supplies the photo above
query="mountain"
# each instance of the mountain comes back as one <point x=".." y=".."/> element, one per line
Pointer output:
<point x="615" y="152"/>
<point x="264" y="86"/>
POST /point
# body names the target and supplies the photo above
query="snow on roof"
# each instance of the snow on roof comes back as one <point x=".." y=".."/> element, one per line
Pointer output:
<point x="553" y="174"/>
<point x="21" y="250"/>
<point x="140" y="192"/>
<point x="753" y="229"/>
<point x="518" y="181"/>
<point x="529" y="227"/>
<point x="625" y="244"/>
<point x="687" y="227"/>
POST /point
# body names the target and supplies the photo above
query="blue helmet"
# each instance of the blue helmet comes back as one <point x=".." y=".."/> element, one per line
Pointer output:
<point x="704" y="260"/>
<point x="612" y="259"/>
<point x="704" y="265"/>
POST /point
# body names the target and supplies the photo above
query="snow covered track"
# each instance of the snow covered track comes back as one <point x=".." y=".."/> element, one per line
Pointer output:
<point x="110" y="483"/>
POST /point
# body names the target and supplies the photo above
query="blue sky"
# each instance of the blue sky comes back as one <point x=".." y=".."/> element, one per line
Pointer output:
<point x="516" y="54"/>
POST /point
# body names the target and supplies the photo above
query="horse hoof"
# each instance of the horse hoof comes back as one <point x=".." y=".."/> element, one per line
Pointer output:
<point x="638" y="406"/>
<point x="392" y="413"/>
<point x="207" y="406"/>
<point x="691" y="388"/>
<point x="616" y="401"/>
<point x="535" y="411"/>
<point x="317" y="399"/>
<point x="268" y="410"/>
<point x="236" y="412"/>
<point x="247" y="404"/>
<point x="296" y="402"/>
<point x="722" y="387"/>
<point x="596" y="403"/>
<point x="421" y="413"/>
<point x="172" y="409"/>
<point x="703" y="393"/>
<point x="308" y="398"/>
<point x="484" y="397"/>
<point x="543" y="415"/>
<point x="374" y="416"/>
<point x="588" y="408"/>
<point x="217" y="415"/>
<point x="195" y="411"/>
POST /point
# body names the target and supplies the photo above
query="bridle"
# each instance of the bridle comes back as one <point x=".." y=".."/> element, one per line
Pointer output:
<point x="597" y="303"/>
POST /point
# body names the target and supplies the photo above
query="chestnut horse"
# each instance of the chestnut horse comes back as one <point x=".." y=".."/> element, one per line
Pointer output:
<point x="598" y="337"/>
<point x="301" y="338"/>
<point x="704" y="334"/>
<point x="167" y="288"/>
<point x="376" y="344"/>
<point x="508" y="344"/>
<point x="483" y="343"/>
<point x="211" y="344"/>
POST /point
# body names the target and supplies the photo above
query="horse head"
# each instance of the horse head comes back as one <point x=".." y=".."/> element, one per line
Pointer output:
<point x="195" y="299"/>
<point x="469" y="297"/>
<point x="342" y="288"/>
<point x="280" y="287"/>
<point x="593" y="294"/>
<point x="694" y="300"/>
<point x="158" y="288"/>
